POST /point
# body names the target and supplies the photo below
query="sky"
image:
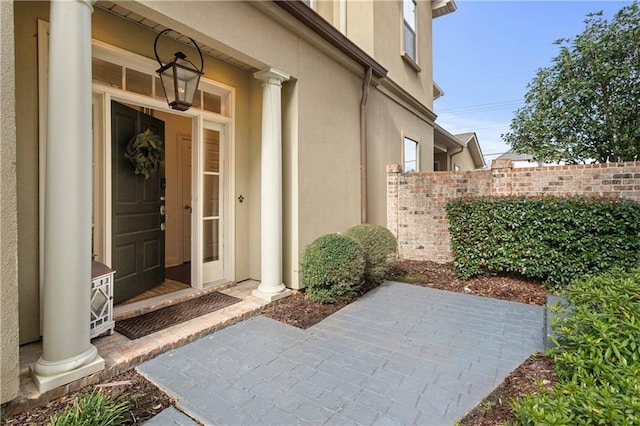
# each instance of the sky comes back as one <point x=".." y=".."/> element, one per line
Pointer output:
<point x="486" y="52"/>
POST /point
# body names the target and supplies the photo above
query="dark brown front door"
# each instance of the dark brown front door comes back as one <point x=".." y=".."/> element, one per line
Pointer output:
<point x="137" y="222"/>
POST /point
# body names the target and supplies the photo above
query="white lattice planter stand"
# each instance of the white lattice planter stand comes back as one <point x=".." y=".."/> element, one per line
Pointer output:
<point x="101" y="300"/>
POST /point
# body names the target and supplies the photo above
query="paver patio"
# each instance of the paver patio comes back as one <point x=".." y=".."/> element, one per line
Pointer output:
<point x="401" y="354"/>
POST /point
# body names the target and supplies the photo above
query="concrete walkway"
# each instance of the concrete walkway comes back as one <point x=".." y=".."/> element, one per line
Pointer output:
<point x="402" y="354"/>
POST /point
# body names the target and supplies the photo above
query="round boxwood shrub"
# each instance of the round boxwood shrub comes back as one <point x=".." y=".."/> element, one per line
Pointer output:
<point x="379" y="246"/>
<point x="331" y="266"/>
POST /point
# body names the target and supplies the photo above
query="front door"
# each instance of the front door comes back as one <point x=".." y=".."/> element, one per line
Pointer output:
<point x="138" y="209"/>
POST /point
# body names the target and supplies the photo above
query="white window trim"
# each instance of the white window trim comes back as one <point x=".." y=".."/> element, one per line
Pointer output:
<point x="412" y="62"/>
<point x="417" y="142"/>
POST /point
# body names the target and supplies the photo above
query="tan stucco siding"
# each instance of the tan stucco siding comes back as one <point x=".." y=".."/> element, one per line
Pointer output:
<point x="328" y="147"/>
<point x="360" y="23"/>
<point x="389" y="48"/>
<point x="463" y="160"/>
<point x="9" y="358"/>
<point x="388" y="122"/>
<point x="26" y="29"/>
<point x="235" y="28"/>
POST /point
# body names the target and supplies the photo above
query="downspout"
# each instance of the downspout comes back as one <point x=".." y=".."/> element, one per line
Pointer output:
<point x="363" y="144"/>
<point x="451" y="159"/>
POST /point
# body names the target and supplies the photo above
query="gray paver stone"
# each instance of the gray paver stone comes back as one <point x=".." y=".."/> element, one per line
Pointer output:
<point x="170" y="417"/>
<point x="312" y="413"/>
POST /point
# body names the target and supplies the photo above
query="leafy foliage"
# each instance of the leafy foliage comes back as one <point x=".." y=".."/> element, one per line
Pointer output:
<point x="597" y="358"/>
<point x="551" y="239"/>
<point x="378" y="244"/>
<point x="144" y="151"/>
<point x="587" y="104"/>
<point x="93" y="409"/>
<point x="331" y="266"/>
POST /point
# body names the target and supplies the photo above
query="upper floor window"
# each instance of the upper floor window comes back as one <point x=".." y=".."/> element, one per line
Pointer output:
<point x="410" y="154"/>
<point x="409" y="28"/>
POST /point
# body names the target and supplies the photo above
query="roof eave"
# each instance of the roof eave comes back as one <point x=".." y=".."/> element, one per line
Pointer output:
<point x="442" y="7"/>
<point x="476" y="152"/>
<point x="306" y="15"/>
<point x="448" y="137"/>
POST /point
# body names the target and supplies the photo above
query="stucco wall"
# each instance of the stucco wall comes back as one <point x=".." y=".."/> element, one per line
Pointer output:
<point x="9" y="363"/>
<point x="463" y="160"/>
<point x="388" y="122"/>
<point x="27" y="158"/>
<point x="389" y="48"/>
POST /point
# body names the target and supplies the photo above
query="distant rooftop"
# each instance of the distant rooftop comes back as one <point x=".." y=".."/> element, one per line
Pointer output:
<point x="514" y="156"/>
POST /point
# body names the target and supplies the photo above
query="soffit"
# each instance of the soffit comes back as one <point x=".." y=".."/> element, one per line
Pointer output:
<point x="156" y="27"/>
<point x="442" y="7"/>
<point x="443" y="138"/>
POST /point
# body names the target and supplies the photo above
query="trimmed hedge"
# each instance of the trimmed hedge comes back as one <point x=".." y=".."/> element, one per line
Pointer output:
<point x="331" y="266"/>
<point x="597" y="360"/>
<point x="552" y="239"/>
<point x="379" y="245"/>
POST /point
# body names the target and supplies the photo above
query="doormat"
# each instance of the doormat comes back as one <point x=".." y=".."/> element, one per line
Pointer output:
<point x="148" y="323"/>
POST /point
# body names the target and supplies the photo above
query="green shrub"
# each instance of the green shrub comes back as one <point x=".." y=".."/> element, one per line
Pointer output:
<point x="331" y="267"/>
<point x="379" y="245"/>
<point x="93" y="409"/>
<point x="597" y="359"/>
<point x="551" y="239"/>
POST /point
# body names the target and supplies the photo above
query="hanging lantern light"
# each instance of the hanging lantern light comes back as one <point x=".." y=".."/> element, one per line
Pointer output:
<point x="180" y="77"/>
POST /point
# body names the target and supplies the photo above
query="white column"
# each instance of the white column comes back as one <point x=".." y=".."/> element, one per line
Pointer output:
<point x="67" y="350"/>
<point x="271" y="287"/>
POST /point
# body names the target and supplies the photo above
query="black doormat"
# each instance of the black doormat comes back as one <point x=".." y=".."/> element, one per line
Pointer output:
<point x="151" y="322"/>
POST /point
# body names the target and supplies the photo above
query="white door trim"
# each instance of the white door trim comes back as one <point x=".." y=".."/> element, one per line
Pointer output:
<point x="107" y="93"/>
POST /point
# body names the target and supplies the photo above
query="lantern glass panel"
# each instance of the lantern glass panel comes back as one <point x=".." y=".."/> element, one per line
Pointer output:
<point x="168" y="85"/>
<point x="187" y="82"/>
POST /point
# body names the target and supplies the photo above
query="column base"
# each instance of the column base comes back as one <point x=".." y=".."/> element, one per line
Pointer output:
<point x="46" y="383"/>
<point x="271" y="297"/>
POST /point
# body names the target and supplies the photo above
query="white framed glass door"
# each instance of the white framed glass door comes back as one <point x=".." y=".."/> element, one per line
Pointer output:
<point x="212" y="205"/>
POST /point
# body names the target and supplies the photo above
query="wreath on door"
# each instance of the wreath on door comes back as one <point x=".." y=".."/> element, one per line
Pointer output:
<point x="144" y="151"/>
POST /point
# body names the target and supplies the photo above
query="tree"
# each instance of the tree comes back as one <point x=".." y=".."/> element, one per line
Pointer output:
<point x="586" y="105"/>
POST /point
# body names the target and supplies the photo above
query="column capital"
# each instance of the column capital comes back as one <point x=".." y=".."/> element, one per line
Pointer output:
<point x="271" y="75"/>
<point x="88" y="3"/>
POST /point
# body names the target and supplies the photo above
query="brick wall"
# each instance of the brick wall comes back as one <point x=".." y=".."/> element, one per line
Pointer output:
<point x="416" y="201"/>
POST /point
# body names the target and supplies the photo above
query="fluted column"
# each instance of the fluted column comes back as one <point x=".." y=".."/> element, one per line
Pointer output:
<point x="271" y="287"/>
<point x="67" y="350"/>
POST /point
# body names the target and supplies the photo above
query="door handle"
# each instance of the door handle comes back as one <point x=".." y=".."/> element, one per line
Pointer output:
<point x="188" y="207"/>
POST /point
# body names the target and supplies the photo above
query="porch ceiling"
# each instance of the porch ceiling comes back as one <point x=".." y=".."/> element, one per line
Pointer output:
<point x="156" y="27"/>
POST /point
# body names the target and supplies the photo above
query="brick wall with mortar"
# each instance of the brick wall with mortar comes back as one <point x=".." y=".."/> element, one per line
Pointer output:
<point x="416" y="201"/>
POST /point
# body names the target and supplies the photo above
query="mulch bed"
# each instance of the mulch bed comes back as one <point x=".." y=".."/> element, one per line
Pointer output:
<point x="298" y="311"/>
<point x="495" y="409"/>
<point x="436" y="275"/>
<point x="145" y="401"/>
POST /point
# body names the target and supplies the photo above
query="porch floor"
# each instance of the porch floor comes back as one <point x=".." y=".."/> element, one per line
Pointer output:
<point x="121" y="354"/>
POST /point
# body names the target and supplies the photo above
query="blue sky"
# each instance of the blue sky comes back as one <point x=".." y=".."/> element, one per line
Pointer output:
<point x="486" y="52"/>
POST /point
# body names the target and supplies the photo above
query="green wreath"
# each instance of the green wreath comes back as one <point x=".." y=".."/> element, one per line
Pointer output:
<point x="144" y="151"/>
